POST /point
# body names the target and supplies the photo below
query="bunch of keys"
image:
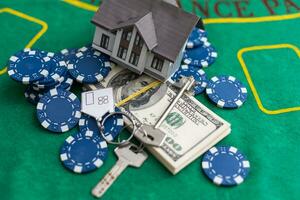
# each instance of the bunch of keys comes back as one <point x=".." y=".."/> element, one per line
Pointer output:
<point x="130" y="154"/>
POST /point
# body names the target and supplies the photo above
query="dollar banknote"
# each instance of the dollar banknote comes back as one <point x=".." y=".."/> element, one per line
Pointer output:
<point x="191" y="128"/>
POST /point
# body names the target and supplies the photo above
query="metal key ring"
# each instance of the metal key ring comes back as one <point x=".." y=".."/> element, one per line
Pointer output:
<point x="101" y="127"/>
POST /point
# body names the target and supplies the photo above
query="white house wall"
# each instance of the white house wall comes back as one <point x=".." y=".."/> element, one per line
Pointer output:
<point x="178" y="62"/>
<point x="162" y="75"/>
<point x="125" y="63"/>
<point x="116" y="44"/>
<point x="97" y="39"/>
<point x="146" y="57"/>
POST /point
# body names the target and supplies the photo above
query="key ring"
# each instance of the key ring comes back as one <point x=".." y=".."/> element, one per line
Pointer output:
<point x="134" y="129"/>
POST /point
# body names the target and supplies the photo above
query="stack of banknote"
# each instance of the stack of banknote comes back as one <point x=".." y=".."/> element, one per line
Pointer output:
<point x="191" y="128"/>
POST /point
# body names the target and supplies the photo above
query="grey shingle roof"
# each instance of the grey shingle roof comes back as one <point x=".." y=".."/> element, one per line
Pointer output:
<point x="163" y="27"/>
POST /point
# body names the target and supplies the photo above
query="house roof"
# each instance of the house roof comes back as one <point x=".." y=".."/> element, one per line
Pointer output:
<point x="164" y="27"/>
<point x="145" y="26"/>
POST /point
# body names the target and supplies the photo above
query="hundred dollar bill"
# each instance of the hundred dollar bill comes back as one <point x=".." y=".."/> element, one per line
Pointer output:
<point x="191" y="128"/>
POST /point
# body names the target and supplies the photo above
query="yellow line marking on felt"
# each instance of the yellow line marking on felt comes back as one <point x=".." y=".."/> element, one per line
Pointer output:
<point x="3" y="71"/>
<point x="93" y="8"/>
<point x="83" y="5"/>
<point x="252" y="85"/>
<point x="257" y="48"/>
<point x="251" y="19"/>
<point x="28" y="18"/>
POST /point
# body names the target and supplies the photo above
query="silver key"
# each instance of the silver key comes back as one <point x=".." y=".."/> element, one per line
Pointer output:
<point x="128" y="155"/>
<point x="154" y="136"/>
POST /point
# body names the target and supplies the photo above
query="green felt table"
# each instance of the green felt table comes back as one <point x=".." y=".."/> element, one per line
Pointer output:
<point x="257" y="42"/>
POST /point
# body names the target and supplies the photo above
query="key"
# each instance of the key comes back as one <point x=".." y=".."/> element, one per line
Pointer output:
<point x="128" y="155"/>
<point x="154" y="136"/>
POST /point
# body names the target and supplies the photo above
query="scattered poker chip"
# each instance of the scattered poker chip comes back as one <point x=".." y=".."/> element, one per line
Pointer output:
<point x="225" y="166"/>
<point x="89" y="67"/>
<point x="58" y="110"/>
<point x="197" y="38"/>
<point x="112" y="126"/>
<point x="226" y="92"/>
<point x="87" y="122"/>
<point x="198" y="74"/>
<point x="202" y="56"/>
<point x="57" y="68"/>
<point x="83" y="152"/>
<point x="28" y="66"/>
<point x="32" y="96"/>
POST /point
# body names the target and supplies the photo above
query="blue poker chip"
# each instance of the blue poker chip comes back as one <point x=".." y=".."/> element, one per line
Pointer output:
<point x="58" y="110"/>
<point x="65" y="82"/>
<point x="57" y="68"/>
<point x="197" y="38"/>
<point x="225" y="166"/>
<point x="83" y="152"/>
<point x="32" y="96"/>
<point x="226" y="92"/>
<point x="68" y="54"/>
<point x="198" y="74"/>
<point x="87" y="122"/>
<point x="89" y="67"/>
<point x="112" y="126"/>
<point x="202" y="56"/>
<point x="28" y="66"/>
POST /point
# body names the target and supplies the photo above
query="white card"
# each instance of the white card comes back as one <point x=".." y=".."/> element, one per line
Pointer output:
<point x="97" y="103"/>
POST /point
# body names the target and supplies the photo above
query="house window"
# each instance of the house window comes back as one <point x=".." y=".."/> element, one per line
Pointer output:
<point x="122" y="53"/>
<point x="157" y="63"/>
<point x="136" y="50"/>
<point x="104" y="41"/>
<point x="127" y="35"/>
<point x="138" y="41"/>
<point x="124" y="43"/>
<point x="134" y="58"/>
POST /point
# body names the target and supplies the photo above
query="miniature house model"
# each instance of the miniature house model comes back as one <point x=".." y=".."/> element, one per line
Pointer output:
<point x="145" y="36"/>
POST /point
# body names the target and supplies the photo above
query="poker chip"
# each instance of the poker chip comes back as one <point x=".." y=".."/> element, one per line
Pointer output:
<point x="89" y="67"/>
<point x="83" y="152"/>
<point x="202" y="56"/>
<point x="112" y="126"/>
<point x="65" y="82"/>
<point x="58" y="110"/>
<point x="32" y="96"/>
<point x="68" y="54"/>
<point x="87" y="122"/>
<point x="57" y="68"/>
<point x="28" y="66"/>
<point x="226" y="92"/>
<point x="197" y="38"/>
<point x="198" y="74"/>
<point x="225" y="166"/>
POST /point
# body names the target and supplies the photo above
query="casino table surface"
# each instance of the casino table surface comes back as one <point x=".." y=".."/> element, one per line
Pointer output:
<point x="257" y="42"/>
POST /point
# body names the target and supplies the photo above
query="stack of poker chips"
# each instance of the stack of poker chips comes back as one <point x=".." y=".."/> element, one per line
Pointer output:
<point x="198" y="54"/>
<point x="225" y="91"/>
<point x="49" y="78"/>
<point x="41" y="71"/>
